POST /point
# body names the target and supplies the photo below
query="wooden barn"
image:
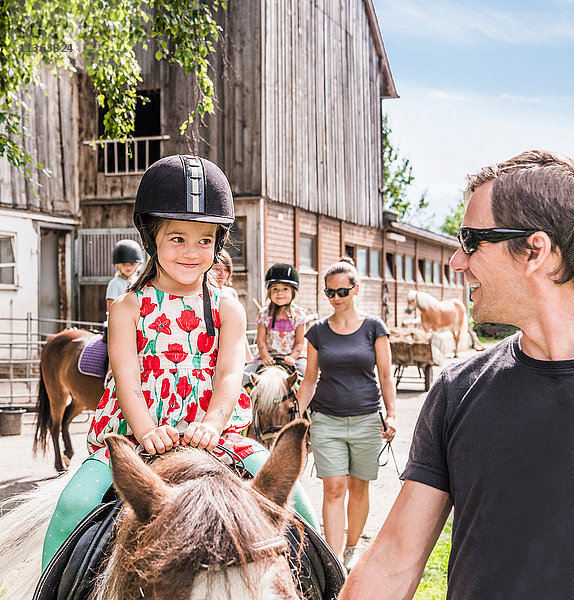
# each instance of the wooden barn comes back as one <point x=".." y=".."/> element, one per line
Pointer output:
<point x="297" y="130"/>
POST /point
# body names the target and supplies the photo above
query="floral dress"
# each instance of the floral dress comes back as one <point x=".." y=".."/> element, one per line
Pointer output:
<point x="177" y="361"/>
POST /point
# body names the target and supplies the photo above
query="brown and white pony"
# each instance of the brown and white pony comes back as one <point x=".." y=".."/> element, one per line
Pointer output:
<point x="191" y="529"/>
<point x="436" y="314"/>
<point x="64" y="392"/>
<point x="274" y="402"/>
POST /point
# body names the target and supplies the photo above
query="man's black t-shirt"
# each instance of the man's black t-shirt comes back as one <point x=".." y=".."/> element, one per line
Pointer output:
<point x="497" y="433"/>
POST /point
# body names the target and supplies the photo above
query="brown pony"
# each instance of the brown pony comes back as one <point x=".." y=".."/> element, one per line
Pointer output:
<point x="274" y="402"/>
<point x="194" y="530"/>
<point x="436" y="314"/>
<point x="60" y="379"/>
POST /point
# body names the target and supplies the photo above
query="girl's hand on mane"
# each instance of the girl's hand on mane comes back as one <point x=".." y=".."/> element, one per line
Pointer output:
<point x="160" y="439"/>
<point x="203" y="435"/>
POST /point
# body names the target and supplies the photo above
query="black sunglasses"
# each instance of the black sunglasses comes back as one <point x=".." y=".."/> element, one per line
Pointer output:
<point x="469" y="238"/>
<point x="341" y="292"/>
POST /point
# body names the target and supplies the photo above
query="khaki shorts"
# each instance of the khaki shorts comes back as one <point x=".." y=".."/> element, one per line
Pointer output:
<point x="346" y="445"/>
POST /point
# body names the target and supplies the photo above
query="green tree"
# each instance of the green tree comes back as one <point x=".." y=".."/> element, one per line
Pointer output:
<point x="454" y="219"/>
<point x="398" y="175"/>
<point x="100" y="35"/>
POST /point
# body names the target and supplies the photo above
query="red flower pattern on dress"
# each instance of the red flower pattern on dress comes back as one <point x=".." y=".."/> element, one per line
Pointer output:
<point x="184" y="388"/>
<point x="148" y="398"/>
<point x="199" y="374"/>
<point x="188" y="321"/>
<point x="205" y="342"/>
<point x="100" y="425"/>
<point x="161" y="325"/>
<point x="244" y="400"/>
<point x="141" y="341"/>
<point x="104" y="399"/>
<point x="173" y="404"/>
<point x="205" y="399"/>
<point x="191" y="412"/>
<point x="151" y="364"/>
<point x="175" y="353"/>
<point x="147" y="306"/>
<point x="165" y="389"/>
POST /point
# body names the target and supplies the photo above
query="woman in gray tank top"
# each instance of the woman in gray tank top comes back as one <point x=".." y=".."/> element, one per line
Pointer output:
<point x="347" y="432"/>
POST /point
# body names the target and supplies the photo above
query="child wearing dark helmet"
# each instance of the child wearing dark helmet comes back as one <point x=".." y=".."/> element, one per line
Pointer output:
<point x="126" y="256"/>
<point x="281" y="323"/>
<point x="166" y="337"/>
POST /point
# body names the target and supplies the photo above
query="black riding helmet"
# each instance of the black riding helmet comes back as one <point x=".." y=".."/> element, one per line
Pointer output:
<point x="185" y="188"/>
<point x="126" y="251"/>
<point x="282" y="273"/>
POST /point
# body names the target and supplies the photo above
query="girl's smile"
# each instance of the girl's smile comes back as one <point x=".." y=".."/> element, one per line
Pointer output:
<point x="185" y="252"/>
<point x="280" y="294"/>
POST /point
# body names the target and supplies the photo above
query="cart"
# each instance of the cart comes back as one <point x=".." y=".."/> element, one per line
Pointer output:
<point x="416" y="348"/>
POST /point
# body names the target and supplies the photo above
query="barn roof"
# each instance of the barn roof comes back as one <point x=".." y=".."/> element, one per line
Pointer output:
<point x="389" y="89"/>
<point x="393" y="224"/>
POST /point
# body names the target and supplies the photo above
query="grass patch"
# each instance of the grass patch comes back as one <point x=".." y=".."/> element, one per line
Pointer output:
<point x="433" y="582"/>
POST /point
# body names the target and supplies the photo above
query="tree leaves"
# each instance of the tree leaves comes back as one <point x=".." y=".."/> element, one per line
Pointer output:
<point x="102" y="35"/>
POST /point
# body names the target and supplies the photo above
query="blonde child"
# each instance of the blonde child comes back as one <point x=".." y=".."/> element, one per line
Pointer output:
<point x="166" y="338"/>
<point x="126" y="256"/>
<point x="281" y="323"/>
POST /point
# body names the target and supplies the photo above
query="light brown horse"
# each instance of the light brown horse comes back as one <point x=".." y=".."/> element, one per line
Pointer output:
<point x="194" y="530"/>
<point x="436" y="314"/>
<point x="274" y="402"/>
<point x="60" y="380"/>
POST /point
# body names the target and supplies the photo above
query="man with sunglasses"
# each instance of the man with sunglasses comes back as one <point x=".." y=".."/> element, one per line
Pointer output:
<point x="495" y="437"/>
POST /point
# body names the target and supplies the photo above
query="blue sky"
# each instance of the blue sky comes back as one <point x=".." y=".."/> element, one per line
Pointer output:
<point x="478" y="82"/>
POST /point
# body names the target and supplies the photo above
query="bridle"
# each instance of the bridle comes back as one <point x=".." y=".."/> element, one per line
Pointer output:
<point x="268" y="433"/>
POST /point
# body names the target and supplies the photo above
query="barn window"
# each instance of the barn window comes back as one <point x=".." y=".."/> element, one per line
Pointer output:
<point x="307" y="253"/>
<point x="446" y="275"/>
<point x="374" y="263"/>
<point x="428" y="271"/>
<point x="409" y="273"/>
<point x="350" y="251"/>
<point x="7" y="260"/>
<point x="362" y="262"/>
<point x="399" y="273"/>
<point x="133" y="157"/>
<point x="421" y="271"/>
<point x="236" y="244"/>
<point x="389" y="265"/>
<point x="436" y="272"/>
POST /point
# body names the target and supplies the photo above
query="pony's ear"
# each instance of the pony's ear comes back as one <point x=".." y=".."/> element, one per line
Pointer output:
<point x="254" y="378"/>
<point x="278" y="475"/>
<point x="292" y="379"/>
<point x="135" y="482"/>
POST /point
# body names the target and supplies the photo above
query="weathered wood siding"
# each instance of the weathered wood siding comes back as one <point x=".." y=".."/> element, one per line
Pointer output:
<point x="52" y="140"/>
<point x="321" y="89"/>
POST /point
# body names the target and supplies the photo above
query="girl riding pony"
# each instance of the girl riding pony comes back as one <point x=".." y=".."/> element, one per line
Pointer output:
<point x="175" y="341"/>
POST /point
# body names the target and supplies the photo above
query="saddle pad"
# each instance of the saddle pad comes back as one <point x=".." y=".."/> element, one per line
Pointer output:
<point x="93" y="360"/>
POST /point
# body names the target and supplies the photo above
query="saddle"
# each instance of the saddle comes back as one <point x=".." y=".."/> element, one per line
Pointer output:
<point x="71" y="573"/>
<point x="93" y="359"/>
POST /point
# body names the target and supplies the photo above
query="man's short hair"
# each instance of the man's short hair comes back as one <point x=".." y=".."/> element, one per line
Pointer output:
<point x="534" y="190"/>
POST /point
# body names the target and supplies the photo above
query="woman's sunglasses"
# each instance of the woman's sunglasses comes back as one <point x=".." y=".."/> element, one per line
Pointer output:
<point x="469" y="238"/>
<point x="341" y="292"/>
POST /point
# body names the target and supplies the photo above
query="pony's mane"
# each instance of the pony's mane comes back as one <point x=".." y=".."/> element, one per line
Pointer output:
<point x="271" y="385"/>
<point x="426" y="300"/>
<point x="230" y="524"/>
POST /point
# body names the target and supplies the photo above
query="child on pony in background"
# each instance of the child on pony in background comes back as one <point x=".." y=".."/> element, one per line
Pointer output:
<point x="126" y="256"/>
<point x="280" y="324"/>
<point x="167" y="336"/>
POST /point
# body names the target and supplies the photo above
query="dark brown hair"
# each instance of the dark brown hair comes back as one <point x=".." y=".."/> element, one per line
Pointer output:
<point x="345" y="265"/>
<point x="534" y="190"/>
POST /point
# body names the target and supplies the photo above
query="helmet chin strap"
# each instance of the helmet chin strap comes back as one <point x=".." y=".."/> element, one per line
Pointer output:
<point x="207" y="312"/>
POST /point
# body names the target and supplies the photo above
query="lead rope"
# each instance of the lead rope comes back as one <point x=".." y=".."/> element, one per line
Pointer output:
<point x="389" y="450"/>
